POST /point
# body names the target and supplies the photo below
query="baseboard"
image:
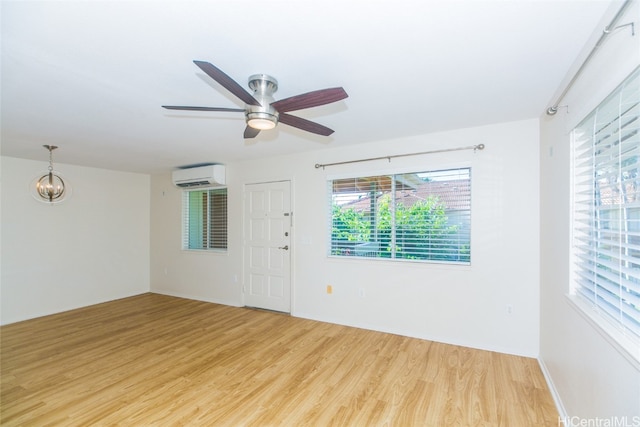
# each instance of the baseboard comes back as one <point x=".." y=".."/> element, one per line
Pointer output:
<point x="554" y="392"/>
<point x="64" y="309"/>
<point x="414" y="334"/>
<point x="195" y="297"/>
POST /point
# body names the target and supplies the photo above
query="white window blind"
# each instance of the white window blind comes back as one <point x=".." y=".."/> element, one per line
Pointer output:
<point x="606" y="207"/>
<point x="420" y="216"/>
<point x="204" y="219"/>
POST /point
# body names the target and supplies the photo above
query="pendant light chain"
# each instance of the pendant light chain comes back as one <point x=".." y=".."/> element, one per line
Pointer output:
<point x="51" y="157"/>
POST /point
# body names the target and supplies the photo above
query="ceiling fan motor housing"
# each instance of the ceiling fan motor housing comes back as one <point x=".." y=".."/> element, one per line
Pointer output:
<point x="262" y="116"/>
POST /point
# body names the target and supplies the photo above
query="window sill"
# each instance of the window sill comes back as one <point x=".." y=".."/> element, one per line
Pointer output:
<point x="205" y="251"/>
<point x="627" y="346"/>
<point x="446" y="265"/>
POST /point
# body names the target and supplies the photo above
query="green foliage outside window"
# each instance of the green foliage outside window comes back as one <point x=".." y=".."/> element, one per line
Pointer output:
<point x="422" y="231"/>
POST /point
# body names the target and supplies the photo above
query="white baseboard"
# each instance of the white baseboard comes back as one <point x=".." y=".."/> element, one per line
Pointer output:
<point x="562" y="412"/>
<point x="194" y="297"/>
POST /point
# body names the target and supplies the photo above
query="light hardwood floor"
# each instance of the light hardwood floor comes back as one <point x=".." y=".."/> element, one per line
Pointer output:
<point x="154" y="360"/>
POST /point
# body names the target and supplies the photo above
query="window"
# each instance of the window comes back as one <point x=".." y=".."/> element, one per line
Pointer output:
<point x="204" y="219"/>
<point x="606" y="208"/>
<point x="420" y="216"/>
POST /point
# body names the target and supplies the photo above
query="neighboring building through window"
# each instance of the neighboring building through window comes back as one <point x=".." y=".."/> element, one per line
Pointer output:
<point x="419" y="216"/>
<point x="606" y="209"/>
<point x="204" y="219"/>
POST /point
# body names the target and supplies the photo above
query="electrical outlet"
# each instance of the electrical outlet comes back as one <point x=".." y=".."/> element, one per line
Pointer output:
<point x="361" y="292"/>
<point x="509" y="309"/>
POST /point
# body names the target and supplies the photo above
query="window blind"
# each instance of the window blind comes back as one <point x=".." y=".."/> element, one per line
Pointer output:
<point x="606" y="207"/>
<point x="204" y="224"/>
<point x="420" y="216"/>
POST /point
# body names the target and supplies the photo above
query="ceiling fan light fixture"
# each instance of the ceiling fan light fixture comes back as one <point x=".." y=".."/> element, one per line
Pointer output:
<point x="261" y="120"/>
<point x="261" y="124"/>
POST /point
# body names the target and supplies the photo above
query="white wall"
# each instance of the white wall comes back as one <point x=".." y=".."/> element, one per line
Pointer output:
<point x="464" y="305"/>
<point x="89" y="249"/>
<point x="202" y="275"/>
<point x="590" y="377"/>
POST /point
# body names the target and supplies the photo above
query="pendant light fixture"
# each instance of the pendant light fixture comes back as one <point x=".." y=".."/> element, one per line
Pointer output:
<point x="50" y="187"/>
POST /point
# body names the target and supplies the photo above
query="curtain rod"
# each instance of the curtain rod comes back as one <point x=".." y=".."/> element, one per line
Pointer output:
<point x="470" y="147"/>
<point x="605" y="32"/>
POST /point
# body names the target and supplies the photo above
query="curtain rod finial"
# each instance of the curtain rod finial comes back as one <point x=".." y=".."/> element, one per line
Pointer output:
<point x="551" y="111"/>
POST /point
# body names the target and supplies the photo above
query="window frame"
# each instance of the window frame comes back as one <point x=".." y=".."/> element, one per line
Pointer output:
<point x="599" y="314"/>
<point x="421" y="169"/>
<point x="207" y="232"/>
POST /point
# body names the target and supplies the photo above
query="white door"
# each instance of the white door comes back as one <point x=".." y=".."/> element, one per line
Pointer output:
<point x="267" y="246"/>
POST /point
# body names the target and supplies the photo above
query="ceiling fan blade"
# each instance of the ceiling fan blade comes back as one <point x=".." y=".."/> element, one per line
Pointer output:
<point x="310" y="99"/>
<point x="227" y="82"/>
<point x="304" y="124"/>
<point x="178" y="107"/>
<point x="250" y="132"/>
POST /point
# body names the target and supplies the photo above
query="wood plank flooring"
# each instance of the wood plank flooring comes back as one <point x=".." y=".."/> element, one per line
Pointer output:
<point x="154" y="360"/>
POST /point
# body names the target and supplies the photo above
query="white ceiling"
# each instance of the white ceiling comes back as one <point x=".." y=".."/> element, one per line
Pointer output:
<point x="90" y="76"/>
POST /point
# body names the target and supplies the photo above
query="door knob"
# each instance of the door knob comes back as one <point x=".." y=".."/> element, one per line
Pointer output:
<point x="285" y="247"/>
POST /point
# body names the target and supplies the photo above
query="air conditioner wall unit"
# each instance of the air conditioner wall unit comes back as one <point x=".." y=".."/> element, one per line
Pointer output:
<point x="201" y="176"/>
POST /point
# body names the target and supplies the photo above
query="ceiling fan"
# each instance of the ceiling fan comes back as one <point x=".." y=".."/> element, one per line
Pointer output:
<point x="261" y="111"/>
